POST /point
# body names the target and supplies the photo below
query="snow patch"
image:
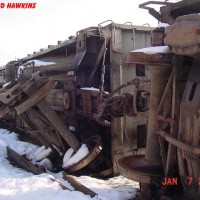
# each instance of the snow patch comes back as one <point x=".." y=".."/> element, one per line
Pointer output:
<point x="17" y="184"/>
<point x="42" y="154"/>
<point x="4" y="85"/>
<point x="38" y="63"/>
<point x="33" y="63"/>
<point x="163" y="25"/>
<point x="91" y="88"/>
<point x="68" y="155"/>
<point x="153" y="50"/>
<point x="72" y="128"/>
<point x="46" y="163"/>
<point x="80" y="154"/>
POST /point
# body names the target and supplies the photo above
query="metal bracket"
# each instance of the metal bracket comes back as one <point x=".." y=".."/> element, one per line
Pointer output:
<point x="152" y="11"/>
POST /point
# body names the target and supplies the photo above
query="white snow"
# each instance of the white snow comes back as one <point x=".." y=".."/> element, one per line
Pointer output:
<point x="67" y="155"/>
<point x="72" y="128"/>
<point x="40" y="150"/>
<point x="32" y="63"/>
<point x="6" y="84"/>
<point x="46" y="163"/>
<point x="38" y="63"/>
<point x="40" y="158"/>
<point x="153" y="50"/>
<point x="17" y="184"/>
<point x="90" y="88"/>
<point x="164" y="25"/>
<point x="70" y="159"/>
<point x="42" y="154"/>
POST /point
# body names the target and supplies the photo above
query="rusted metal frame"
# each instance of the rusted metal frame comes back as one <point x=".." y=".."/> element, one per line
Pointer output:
<point x="86" y="103"/>
<point x="44" y="122"/>
<point x="37" y="96"/>
<point x="46" y="133"/>
<point x="176" y="100"/>
<point x="58" y="124"/>
<point x="166" y="92"/>
<point x="135" y="81"/>
<point x="26" y="119"/>
<point x="180" y="8"/>
<point x="163" y="152"/>
<point x="99" y="57"/>
<point x="46" y="128"/>
<point x="160" y="117"/>
<point x="58" y="97"/>
<point x="78" y="186"/>
<point x="152" y="11"/>
<point x="43" y="130"/>
<point x="195" y="150"/>
<point x="164" y="119"/>
<point x="32" y="129"/>
<point x="28" y="86"/>
<point x="101" y="88"/>
<point x="50" y="114"/>
<point x="126" y="133"/>
<point x="9" y="95"/>
<point x="159" y="76"/>
<point x="4" y="111"/>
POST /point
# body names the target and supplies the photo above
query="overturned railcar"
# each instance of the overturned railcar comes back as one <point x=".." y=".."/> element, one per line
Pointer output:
<point x="71" y="97"/>
<point x="129" y="109"/>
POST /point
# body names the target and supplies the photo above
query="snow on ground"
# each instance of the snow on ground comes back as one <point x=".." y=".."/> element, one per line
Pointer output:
<point x="17" y="184"/>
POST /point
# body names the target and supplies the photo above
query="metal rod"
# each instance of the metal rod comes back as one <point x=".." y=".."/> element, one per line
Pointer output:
<point x="176" y="100"/>
<point x="181" y="145"/>
<point x="158" y="84"/>
<point x="166" y="92"/>
<point x="103" y="71"/>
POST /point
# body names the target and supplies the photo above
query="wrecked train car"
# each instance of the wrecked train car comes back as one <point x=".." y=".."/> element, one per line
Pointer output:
<point x="71" y="98"/>
<point x="136" y="109"/>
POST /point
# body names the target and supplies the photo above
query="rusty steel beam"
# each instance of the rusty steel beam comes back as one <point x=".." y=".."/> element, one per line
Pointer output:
<point x="158" y="82"/>
<point x="37" y="96"/>
<point x="166" y="92"/>
<point x="4" y="111"/>
<point x="58" y="124"/>
<point x="78" y="186"/>
<point x="38" y="99"/>
<point x="175" y="110"/>
<point x="45" y="131"/>
<point x="181" y="145"/>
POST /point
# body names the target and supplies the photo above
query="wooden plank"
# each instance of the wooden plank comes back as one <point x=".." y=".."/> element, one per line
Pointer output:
<point x="78" y="186"/>
<point x="28" y="166"/>
<point x="23" y="162"/>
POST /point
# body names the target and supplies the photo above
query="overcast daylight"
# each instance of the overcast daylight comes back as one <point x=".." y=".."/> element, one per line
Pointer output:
<point x="26" y="30"/>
